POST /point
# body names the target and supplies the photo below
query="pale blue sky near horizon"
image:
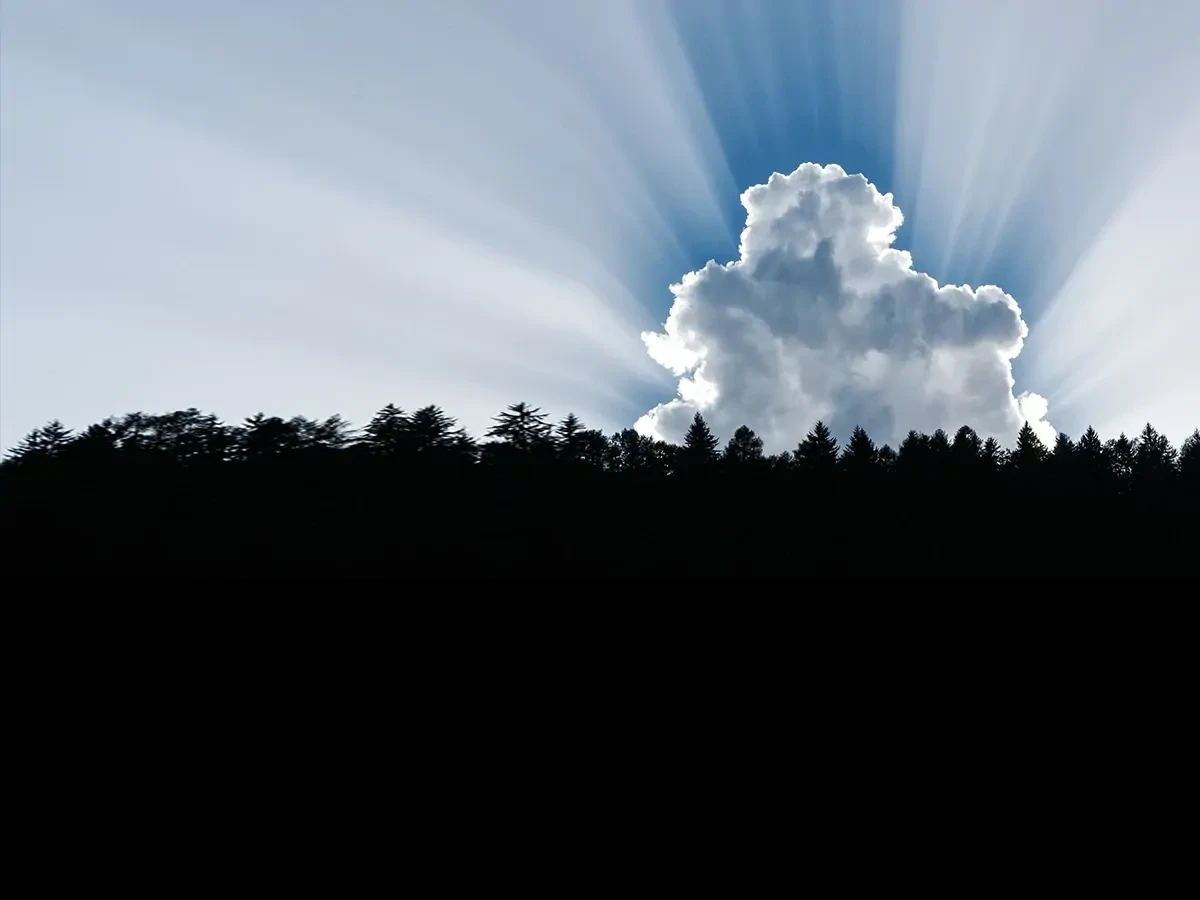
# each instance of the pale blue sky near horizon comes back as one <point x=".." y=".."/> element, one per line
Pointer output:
<point x="313" y="207"/>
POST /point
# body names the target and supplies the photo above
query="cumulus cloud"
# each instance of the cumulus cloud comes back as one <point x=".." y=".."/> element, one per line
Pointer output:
<point x="821" y="318"/>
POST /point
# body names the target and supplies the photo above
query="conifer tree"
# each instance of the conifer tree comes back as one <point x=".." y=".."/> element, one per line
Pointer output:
<point x="992" y="455"/>
<point x="1119" y="455"/>
<point x="42" y="444"/>
<point x="939" y="447"/>
<point x="859" y="455"/>
<point x="886" y="458"/>
<point x="816" y="455"/>
<point x="570" y="441"/>
<point x="1063" y="453"/>
<point x="1089" y="453"/>
<point x="522" y="427"/>
<point x="433" y="433"/>
<point x="1189" y="458"/>
<point x="1154" y="459"/>
<point x="966" y="448"/>
<point x="387" y="432"/>
<point x="699" y="444"/>
<point x="744" y="447"/>
<point x="1029" y="453"/>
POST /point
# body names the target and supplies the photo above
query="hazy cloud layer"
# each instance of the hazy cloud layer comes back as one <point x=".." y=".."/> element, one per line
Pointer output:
<point x="820" y="318"/>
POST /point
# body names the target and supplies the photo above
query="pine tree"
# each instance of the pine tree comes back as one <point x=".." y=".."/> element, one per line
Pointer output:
<point x="263" y="438"/>
<point x="1029" y="453"/>
<point x="699" y="444"/>
<point x="431" y="432"/>
<point x="966" y="448"/>
<point x="1154" y="459"/>
<point x="859" y="455"/>
<point x="914" y="457"/>
<point x="568" y="438"/>
<point x="334" y="433"/>
<point x="744" y="447"/>
<point x="387" y="432"/>
<point x="1089" y="453"/>
<point x="1189" y="458"/>
<point x="816" y="455"/>
<point x="1063" y="453"/>
<point x="41" y="445"/>
<point x="939" y="447"/>
<point x="1118" y="453"/>
<point x="992" y="455"/>
<point x="886" y="458"/>
<point x="522" y="427"/>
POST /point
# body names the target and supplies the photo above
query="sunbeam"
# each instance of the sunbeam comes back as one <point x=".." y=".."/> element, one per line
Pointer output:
<point x="479" y="202"/>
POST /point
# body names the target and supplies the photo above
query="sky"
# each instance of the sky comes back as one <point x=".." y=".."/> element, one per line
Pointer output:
<point x="897" y="214"/>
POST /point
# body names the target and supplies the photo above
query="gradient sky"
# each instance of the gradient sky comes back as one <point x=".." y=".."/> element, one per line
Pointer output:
<point x="312" y="207"/>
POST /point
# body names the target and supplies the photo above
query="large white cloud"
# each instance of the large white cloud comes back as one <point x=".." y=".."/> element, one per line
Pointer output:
<point x="820" y="318"/>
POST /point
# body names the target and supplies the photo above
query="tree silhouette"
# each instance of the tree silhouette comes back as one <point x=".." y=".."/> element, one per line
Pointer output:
<point x="265" y="438"/>
<point x="1154" y="459"/>
<point x="181" y="490"/>
<point x="566" y="437"/>
<point x="1119" y="453"/>
<point x="1063" y="453"/>
<point x="816" y="455"/>
<point x="886" y="458"/>
<point x="432" y="433"/>
<point x="41" y="445"/>
<point x="522" y="427"/>
<point x="745" y="447"/>
<point x="992" y="456"/>
<point x="387" y="433"/>
<point x="1030" y="452"/>
<point x="860" y="456"/>
<point x="1089" y="455"/>
<point x="967" y="448"/>
<point x="1189" y="458"/>
<point x="699" y="444"/>
<point x="633" y="452"/>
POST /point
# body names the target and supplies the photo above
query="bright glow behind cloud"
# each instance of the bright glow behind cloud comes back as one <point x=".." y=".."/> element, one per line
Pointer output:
<point x="820" y="318"/>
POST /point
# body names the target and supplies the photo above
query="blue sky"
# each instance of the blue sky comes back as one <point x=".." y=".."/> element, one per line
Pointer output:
<point x="311" y="207"/>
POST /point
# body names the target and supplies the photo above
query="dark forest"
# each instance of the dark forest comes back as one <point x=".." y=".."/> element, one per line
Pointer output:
<point x="412" y="495"/>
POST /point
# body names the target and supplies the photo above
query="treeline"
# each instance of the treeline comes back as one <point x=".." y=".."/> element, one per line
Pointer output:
<point x="414" y="494"/>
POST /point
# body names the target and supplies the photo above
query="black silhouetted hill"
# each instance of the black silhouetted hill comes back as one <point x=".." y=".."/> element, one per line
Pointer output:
<point x="412" y="495"/>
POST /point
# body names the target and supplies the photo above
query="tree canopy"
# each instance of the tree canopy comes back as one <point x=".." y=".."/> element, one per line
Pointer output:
<point x="182" y="488"/>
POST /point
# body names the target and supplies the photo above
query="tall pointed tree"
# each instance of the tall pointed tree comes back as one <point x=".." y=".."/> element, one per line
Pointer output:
<point x="1089" y="454"/>
<point x="1119" y="454"/>
<point x="569" y="441"/>
<point x="816" y="455"/>
<point x="1029" y="452"/>
<point x="1154" y="459"/>
<point x="1063" y="454"/>
<point x="699" y="444"/>
<point x="859" y="455"/>
<point x="992" y="456"/>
